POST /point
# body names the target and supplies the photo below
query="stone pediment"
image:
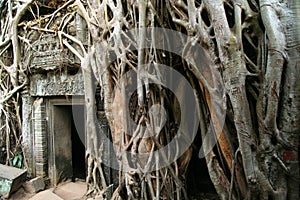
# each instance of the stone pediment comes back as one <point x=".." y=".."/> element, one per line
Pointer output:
<point x="48" y="55"/>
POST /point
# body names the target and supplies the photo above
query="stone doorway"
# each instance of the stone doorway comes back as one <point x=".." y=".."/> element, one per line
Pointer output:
<point x="67" y="142"/>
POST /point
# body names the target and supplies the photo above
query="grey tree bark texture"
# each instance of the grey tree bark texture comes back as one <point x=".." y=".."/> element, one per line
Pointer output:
<point x="254" y="46"/>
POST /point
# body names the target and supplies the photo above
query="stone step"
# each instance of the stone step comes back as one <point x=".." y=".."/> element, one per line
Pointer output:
<point x="46" y="195"/>
<point x="71" y="191"/>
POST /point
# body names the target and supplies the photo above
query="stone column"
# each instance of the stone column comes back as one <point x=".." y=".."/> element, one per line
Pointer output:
<point x="27" y="132"/>
<point x="40" y="138"/>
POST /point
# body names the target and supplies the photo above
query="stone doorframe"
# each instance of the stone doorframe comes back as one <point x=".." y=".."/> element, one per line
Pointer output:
<point x="51" y="103"/>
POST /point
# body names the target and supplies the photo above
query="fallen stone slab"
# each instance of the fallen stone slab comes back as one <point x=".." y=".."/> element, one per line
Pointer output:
<point x="34" y="185"/>
<point x="11" y="179"/>
<point x="46" y="195"/>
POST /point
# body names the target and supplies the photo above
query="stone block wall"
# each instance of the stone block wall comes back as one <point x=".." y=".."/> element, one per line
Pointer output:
<point x="40" y="138"/>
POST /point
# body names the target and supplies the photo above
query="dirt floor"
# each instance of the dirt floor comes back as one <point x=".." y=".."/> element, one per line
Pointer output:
<point x="75" y="191"/>
<point x="64" y="191"/>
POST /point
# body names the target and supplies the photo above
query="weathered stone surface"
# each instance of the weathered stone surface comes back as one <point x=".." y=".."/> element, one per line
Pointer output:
<point x="71" y="190"/>
<point x="37" y="184"/>
<point x="21" y="194"/>
<point x="27" y="130"/>
<point x="40" y="138"/>
<point x="27" y="186"/>
<point x="11" y="179"/>
<point x="45" y="195"/>
<point x="55" y="85"/>
<point x="49" y="56"/>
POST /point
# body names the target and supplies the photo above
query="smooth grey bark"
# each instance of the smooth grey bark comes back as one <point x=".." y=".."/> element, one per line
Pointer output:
<point x="289" y="119"/>
<point x="282" y="29"/>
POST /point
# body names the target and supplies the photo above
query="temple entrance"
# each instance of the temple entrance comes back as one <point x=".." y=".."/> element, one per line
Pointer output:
<point x="67" y="151"/>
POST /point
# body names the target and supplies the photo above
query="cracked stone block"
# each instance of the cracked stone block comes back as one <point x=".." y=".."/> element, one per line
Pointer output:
<point x="11" y="179"/>
<point x="35" y="185"/>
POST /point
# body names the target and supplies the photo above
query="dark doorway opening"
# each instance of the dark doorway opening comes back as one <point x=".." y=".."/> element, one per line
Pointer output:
<point x="68" y="143"/>
<point x="198" y="182"/>
<point x="78" y="143"/>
